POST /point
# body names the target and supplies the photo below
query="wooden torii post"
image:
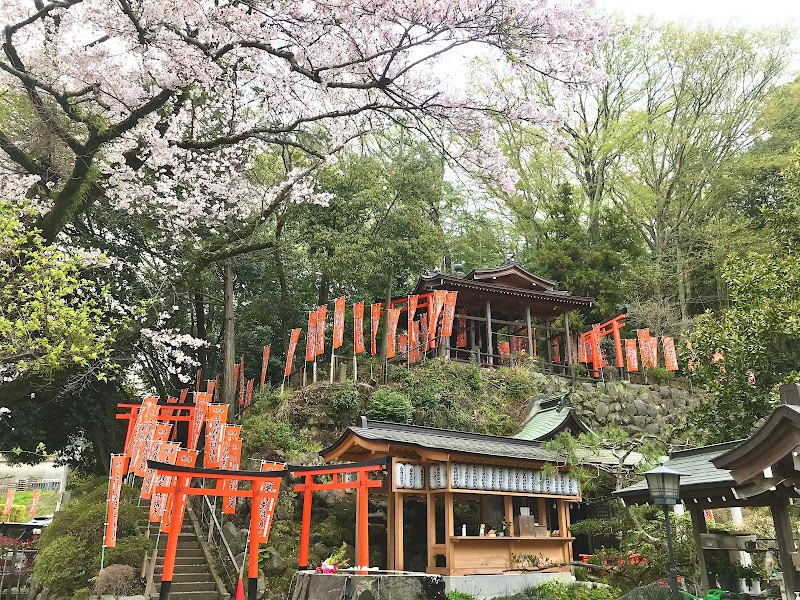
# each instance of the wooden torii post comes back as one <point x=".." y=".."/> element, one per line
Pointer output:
<point x="598" y="332"/>
<point x="362" y="484"/>
<point x="263" y="495"/>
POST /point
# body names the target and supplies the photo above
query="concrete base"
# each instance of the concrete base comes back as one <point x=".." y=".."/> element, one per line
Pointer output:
<point x="374" y="586"/>
<point x="491" y="586"/>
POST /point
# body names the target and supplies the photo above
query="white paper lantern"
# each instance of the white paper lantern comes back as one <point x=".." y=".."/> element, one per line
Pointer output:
<point x="516" y="480"/>
<point x="505" y="479"/>
<point x="478" y="479"/>
<point x="464" y="477"/>
<point x="537" y="482"/>
<point x="408" y="481"/>
<point x="400" y="475"/>
<point x="419" y="477"/>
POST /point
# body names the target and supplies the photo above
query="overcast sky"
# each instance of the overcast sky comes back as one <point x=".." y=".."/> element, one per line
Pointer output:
<point x="720" y="12"/>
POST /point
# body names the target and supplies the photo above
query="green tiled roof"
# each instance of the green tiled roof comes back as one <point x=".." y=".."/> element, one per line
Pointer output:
<point x="698" y="472"/>
<point x="445" y="440"/>
<point x="548" y="422"/>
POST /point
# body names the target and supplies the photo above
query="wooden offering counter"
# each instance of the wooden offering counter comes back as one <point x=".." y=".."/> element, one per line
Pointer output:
<point x="467" y="504"/>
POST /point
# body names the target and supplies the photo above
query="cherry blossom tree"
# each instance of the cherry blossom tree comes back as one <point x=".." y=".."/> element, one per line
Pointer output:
<point x="159" y="107"/>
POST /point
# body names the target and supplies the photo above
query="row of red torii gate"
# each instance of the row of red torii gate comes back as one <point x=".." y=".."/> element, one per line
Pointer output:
<point x="162" y="458"/>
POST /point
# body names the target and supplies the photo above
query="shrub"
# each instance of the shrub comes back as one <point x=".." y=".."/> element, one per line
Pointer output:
<point x="118" y="580"/>
<point x="82" y="594"/>
<point x="129" y="551"/>
<point x="456" y="595"/>
<point x="65" y="565"/>
<point x="346" y="404"/>
<point x="265" y="432"/>
<point x="517" y="385"/>
<point x="17" y="514"/>
<point x="390" y="406"/>
<point x="660" y="374"/>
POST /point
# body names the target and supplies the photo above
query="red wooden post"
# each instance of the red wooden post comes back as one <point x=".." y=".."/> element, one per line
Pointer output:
<point x="252" y="562"/>
<point x="618" y="346"/>
<point x="362" y="518"/>
<point x="176" y="523"/>
<point x="305" y="527"/>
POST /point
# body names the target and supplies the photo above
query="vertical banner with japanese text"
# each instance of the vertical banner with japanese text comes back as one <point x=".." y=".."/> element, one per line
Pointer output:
<point x="294" y="336"/>
<point x="338" y="322"/>
<point x="413" y="301"/>
<point x="322" y="315"/>
<point x="217" y="417"/>
<point x="670" y="357"/>
<point x="394" y="317"/>
<point x="201" y="402"/>
<point x="311" y="337"/>
<point x="449" y="314"/>
<point x="375" y="321"/>
<point x="34" y="502"/>
<point x="630" y="355"/>
<point x="358" y="327"/>
<point x="264" y="364"/>
<point x="167" y="453"/>
<point x="439" y="298"/>
<point x="9" y="501"/>
<point x="644" y="348"/>
<point x="461" y="338"/>
<point x="117" y="471"/>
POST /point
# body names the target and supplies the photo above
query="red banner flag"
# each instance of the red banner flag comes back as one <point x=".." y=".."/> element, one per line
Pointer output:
<point x="413" y="356"/>
<point x="34" y="502"/>
<point x="160" y="435"/>
<point x="556" y="351"/>
<point x="643" y="336"/>
<point x="241" y="383"/>
<point x="201" y="402"/>
<point x="338" y="322"/>
<point x="264" y="364"/>
<point x="114" y="487"/>
<point x="583" y="355"/>
<point x="439" y="298"/>
<point x="358" y="327"/>
<point x="186" y="458"/>
<point x="266" y="497"/>
<point x="402" y="344"/>
<point x="461" y="338"/>
<point x="670" y="357"/>
<point x="9" y="501"/>
<point x="653" y="349"/>
<point x="217" y="417"/>
<point x="630" y="354"/>
<point x="423" y="328"/>
<point x="235" y="375"/>
<point x="413" y="301"/>
<point x="184" y="394"/>
<point x="311" y="337"/>
<point x="394" y="317"/>
<point x="248" y="396"/>
<point x="449" y="314"/>
<point x="167" y="453"/>
<point x="505" y="348"/>
<point x="293" y="338"/>
<point x="322" y="315"/>
<point x="375" y="320"/>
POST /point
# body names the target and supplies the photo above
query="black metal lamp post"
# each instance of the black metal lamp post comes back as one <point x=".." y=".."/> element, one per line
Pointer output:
<point x="664" y="485"/>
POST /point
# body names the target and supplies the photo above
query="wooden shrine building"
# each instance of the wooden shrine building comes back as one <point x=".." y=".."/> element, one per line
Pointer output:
<point x="466" y="503"/>
<point x="763" y="470"/>
<point x="506" y="310"/>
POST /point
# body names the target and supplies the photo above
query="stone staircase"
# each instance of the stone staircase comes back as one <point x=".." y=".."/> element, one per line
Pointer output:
<point x="193" y="577"/>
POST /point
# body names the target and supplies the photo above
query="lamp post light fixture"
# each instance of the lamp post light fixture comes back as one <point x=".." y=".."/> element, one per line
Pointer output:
<point x="664" y="485"/>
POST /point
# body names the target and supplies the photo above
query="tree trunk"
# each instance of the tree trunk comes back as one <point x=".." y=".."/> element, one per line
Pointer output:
<point x="229" y="341"/>
<point x="282" y="282"/>
<point x="200" y="318"/>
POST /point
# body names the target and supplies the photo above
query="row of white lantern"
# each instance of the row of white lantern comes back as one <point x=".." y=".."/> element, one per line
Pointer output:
<point x="481" y="477"/>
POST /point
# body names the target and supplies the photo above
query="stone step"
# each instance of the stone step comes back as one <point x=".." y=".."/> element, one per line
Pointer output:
<point x="187" y="542"/>
<point x="182" y="560"/>
<point x="194" y="595"/>
<point x="189" y="569"/>
<point x="191" y="586"/>
<point x="200" y="577"/>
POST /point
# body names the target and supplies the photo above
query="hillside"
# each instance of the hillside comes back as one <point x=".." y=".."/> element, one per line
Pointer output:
<point x="437" y="393"/>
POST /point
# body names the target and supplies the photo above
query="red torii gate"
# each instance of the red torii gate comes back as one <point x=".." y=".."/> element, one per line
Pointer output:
<point x="362" y="484"/>
<point x="592" y="339"/>
<point x="264" y="495"/>
<point x="168" y="412"/>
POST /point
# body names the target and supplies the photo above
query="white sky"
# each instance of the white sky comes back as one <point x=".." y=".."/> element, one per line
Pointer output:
<point x="756" y="13"/>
